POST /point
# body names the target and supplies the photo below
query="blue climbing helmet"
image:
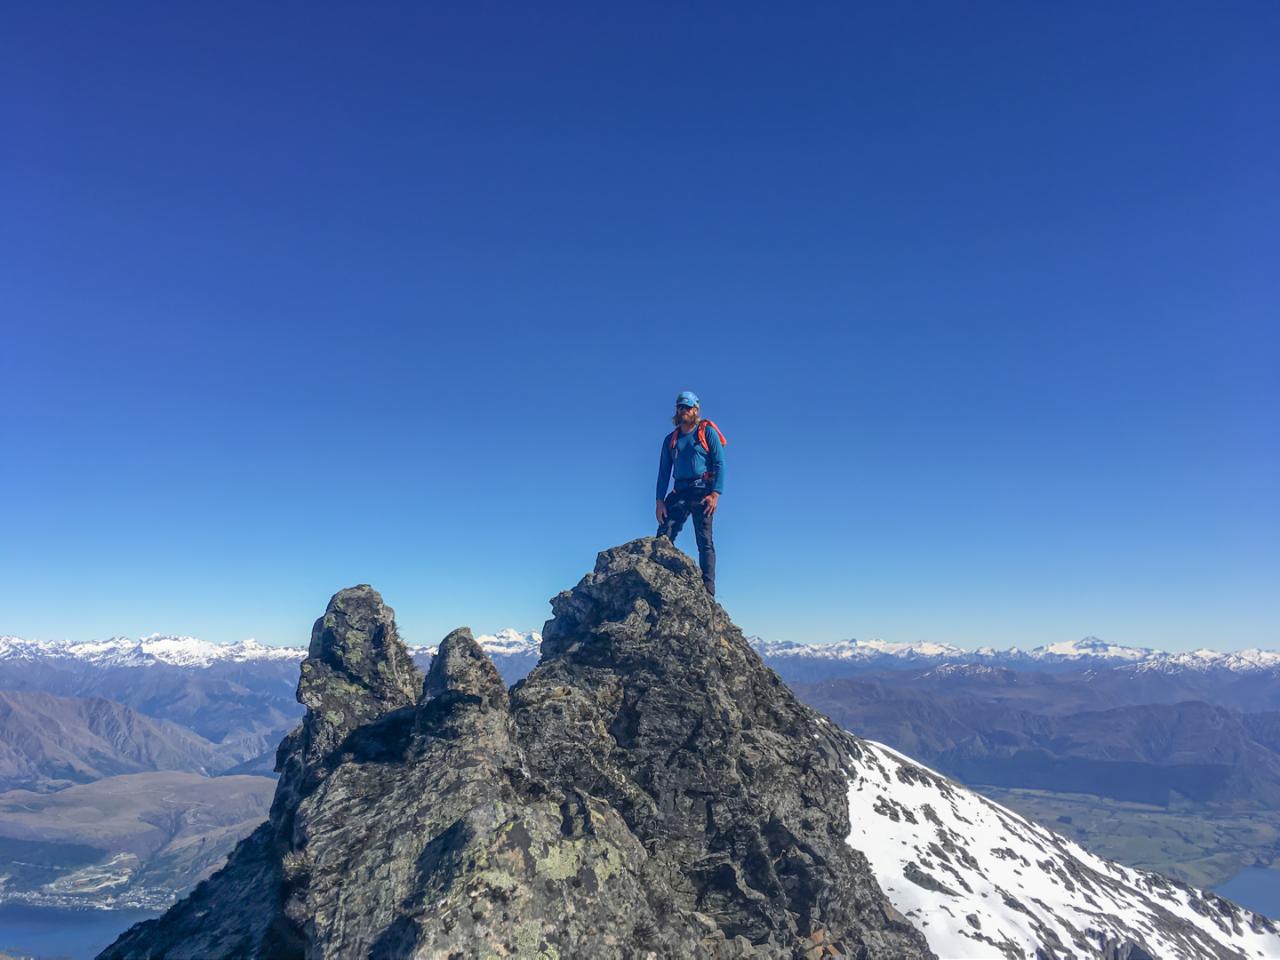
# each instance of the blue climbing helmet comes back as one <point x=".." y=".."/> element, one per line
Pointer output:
<point x="688" y="398"/>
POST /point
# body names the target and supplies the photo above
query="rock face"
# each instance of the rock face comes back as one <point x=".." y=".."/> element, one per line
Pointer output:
<point x="649" y="790"/>
<point x="650" y="698"/>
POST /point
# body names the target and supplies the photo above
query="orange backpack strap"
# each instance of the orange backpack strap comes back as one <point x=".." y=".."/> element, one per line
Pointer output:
<point x="702" y="434"/>
<point x="675" y="434"/>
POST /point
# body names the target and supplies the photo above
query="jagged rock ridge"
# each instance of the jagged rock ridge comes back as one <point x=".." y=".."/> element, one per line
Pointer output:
<point x="649" y="790"/>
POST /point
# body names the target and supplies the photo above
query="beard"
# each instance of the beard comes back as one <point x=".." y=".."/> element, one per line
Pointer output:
<point x="685" y="419"/>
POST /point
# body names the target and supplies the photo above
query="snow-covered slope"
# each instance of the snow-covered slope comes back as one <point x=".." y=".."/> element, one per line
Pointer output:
<point x="982" y="882"/>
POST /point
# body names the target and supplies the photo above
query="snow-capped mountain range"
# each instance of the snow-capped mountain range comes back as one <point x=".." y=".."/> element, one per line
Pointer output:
<point x="157" y="648"/>
<point x="195" y="653"/>
<point x="1084" y="652"/>
<point x="980" y="881"/>
<point x="504" y="643"/>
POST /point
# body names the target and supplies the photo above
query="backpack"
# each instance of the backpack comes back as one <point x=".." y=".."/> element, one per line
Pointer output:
<point x="702" y="436"/>
<point x="702" y="439"/>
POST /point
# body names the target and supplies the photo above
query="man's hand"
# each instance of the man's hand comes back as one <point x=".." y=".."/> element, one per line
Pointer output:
<point x="709" y="503"/>
<point x="661" y="511"/>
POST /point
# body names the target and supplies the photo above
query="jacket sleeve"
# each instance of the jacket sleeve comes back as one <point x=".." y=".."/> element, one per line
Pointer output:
<point x="715" y="460"/>
<point x="664" y="467"/>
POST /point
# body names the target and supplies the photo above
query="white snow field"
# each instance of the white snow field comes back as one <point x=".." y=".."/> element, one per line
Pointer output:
<point x="980" y="881"/>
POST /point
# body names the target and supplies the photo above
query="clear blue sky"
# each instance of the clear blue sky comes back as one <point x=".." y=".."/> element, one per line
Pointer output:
<point x="301" y="295"/>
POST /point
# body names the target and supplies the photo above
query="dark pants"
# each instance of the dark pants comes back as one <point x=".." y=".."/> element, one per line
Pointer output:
<point x="681" y="504"/>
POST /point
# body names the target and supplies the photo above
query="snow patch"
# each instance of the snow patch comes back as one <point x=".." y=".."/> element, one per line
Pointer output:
<point x="980" y="881"/>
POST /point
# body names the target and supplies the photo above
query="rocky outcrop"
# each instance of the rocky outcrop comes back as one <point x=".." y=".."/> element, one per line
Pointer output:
<point x="650" y="698"/>
<point x="651" y="789"/>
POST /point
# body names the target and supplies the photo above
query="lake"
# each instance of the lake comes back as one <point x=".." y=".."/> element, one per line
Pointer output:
<point x="1256" y="888"/>
<point x="55" y="932"/>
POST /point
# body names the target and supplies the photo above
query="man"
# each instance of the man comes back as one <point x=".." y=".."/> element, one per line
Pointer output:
<point x="694" y="452"/>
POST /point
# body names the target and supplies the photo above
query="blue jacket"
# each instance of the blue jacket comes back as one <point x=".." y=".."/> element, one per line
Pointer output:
<point x="691" y="462"/>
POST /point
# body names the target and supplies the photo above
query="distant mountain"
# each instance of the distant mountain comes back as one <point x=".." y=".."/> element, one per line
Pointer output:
<point x="49" y="742"/>
<point x="1149" y="753"/>
<point x="514" y="652"/>
<point x="130" y="841"/>
<point x="1090" y="651"/>
<point x="235" y="692"/>
<point x="519" y="646"/>
<point x="76" y="712"/>
<point x="237" y="695"/>
<point x="157" y="648"/>
<point x="1056" y="678"/>
<point x="202" y="654"/>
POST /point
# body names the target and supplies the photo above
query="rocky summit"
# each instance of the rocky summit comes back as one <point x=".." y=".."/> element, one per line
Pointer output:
<point x="651" y="789"/>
